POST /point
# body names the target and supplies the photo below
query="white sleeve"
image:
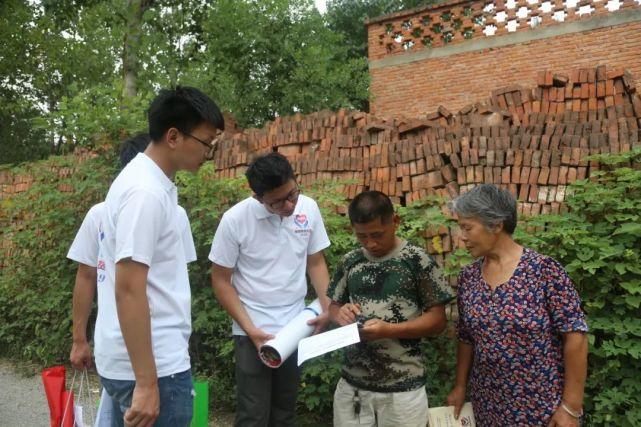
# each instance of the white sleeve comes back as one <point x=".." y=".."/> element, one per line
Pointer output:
<point x="318" y="240"/>
<point x="225" y="247"/>
<point x="187" y="238"/>
<point x="140" y="220"/>
<point x="84" y="248"/>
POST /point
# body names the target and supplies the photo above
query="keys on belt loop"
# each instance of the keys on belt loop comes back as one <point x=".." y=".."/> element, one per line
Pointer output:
<point x="357" y="403"/>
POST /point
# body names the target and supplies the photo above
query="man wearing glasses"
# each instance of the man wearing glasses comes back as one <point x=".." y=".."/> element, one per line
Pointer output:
<point x="144" y="322"/>
<point x="260" y="253"/>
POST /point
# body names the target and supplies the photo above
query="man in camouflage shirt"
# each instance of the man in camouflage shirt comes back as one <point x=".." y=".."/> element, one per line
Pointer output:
<point x="399" y="294"/>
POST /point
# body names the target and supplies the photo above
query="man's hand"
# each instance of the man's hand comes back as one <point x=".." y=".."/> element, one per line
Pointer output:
<point x="259" y="337"/>
<point x="80" y="356"/>
<point x="319" y="322"/>
<point x="456" y="398"/>
<point x="347" y="314"/>
<point x="562" y="419"/>
<point x="83" y="293"/>
<point x="375" y="329"/>
<point x="145" y="406"/>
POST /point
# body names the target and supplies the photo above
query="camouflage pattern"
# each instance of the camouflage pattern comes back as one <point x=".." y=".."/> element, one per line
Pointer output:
<point x="395" y="288"/>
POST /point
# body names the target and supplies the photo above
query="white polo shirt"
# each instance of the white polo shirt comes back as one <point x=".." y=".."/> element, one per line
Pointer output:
<point x="84" y="248"/>
<point x="269" y="258"/>
<point x="140" y="221"/>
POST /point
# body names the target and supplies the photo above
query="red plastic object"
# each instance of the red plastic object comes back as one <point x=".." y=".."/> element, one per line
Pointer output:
<point x="67" y="414"/>
<point x="53" y="380"/>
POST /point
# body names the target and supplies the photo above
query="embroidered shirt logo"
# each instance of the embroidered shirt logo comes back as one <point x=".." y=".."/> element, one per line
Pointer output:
<point x="301" y="220"/>
<point x="101" y="271"/>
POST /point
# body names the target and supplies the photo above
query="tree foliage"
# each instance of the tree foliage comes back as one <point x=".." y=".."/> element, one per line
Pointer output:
<point x="348" y="17"/>
<point x="86" y="69"/>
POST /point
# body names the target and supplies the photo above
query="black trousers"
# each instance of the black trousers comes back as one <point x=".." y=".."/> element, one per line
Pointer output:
<point x="265" y="397"/>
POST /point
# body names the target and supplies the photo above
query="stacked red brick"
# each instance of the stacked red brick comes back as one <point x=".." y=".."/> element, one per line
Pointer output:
<point x="532" y="141"/>
<point x="321" y="145"/>
<point x="12" y="184"/>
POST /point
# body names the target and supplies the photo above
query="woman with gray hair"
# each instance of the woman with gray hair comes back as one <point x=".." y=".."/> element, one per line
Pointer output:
<point x="521" y="331"/>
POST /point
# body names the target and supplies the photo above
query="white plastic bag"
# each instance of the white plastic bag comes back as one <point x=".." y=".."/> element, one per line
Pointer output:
<point x="105" y="410"/>
<point x="82" y="400"/>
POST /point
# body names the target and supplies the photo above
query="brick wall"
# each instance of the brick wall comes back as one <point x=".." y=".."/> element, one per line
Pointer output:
<point x="411" y="83"/>
<point x="530" y="140"/>
<point x="17" y="180"/>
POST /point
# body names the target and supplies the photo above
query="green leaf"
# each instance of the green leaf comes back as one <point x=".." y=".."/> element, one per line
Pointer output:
<point x="633" y="300"/>
<point x="620" y="268"/>
<point x="633" y="286"/>
<point x="633" y="228"/>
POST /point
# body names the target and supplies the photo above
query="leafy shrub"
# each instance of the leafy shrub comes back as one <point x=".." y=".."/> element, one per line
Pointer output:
<point x="440" y="352"/>
<point x="36" y="282"/>
<point x="206" y="199"/>
<point x="598" y="241"/>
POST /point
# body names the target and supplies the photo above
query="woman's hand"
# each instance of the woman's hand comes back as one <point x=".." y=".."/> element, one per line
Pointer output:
<point x="561" y="418"/>
<point x="456" y="398"/>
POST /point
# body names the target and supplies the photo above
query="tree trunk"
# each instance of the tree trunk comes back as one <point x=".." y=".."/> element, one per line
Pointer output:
<point x="131" y="46"/>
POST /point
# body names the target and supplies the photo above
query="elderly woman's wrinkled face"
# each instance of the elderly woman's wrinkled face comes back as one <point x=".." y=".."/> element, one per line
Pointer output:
<point x="477" y="238"/>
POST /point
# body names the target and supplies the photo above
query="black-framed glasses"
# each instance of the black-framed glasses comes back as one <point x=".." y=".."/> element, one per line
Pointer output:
<point x="211" y="146"/>
<point x="292" y="197"/>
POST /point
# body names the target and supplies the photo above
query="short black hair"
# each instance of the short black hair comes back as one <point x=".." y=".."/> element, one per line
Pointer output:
<point x="132" y="146"/>
<point x="369" y="205"/>
<point x="183" y="108"/>
<point x="268" y="172"/>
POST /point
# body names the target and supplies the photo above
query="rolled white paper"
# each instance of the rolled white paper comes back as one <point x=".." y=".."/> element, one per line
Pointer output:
<point x="275" y="351"/>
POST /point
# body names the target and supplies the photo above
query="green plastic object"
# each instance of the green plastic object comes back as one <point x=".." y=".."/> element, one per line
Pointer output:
<point x="201" y="404"/>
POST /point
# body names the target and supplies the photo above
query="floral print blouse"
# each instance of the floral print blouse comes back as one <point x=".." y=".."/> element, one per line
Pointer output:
<point x="517" y="371"/>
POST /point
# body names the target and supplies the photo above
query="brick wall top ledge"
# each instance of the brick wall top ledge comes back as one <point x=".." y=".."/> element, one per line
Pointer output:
<point x="457" y="22"/>
<point x="416" y="11"/>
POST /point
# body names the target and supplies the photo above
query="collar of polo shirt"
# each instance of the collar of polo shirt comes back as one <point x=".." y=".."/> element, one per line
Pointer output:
<point x="261" y="211"/>
<point x="167" y="183"/>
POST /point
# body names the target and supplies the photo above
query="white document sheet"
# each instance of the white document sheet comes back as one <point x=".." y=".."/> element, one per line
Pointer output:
<point x="317" y="345"/>
<point x="444" y="416"/>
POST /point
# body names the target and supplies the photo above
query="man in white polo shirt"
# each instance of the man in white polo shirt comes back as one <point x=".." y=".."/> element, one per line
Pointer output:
<point x="260" y="253"/>
<point x="84" y="250"/>
<point x="144" y="321"/>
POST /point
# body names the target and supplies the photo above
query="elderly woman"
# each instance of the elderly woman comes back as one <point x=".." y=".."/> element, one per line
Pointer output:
<point x="521" y="330"/>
